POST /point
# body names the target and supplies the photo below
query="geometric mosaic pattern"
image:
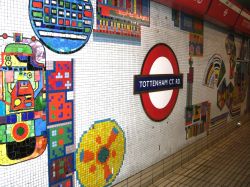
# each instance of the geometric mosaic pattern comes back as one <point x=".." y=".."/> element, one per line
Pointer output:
<point x="60" y="124"/>
<point x="121" y="19"/>
<point x="64" y="26"/>
<point x="22" y="99"/>
<point x="215" y="71"/>
<point x="100" y="154"/>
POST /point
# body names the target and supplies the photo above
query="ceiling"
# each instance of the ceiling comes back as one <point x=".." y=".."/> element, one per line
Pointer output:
<point x="245" y="3"/>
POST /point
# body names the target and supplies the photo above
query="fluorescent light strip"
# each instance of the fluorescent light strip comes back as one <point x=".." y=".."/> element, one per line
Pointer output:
<point x="245" y="15"/>
<point x="231" y="5"/>
<point x="61" y="35"/>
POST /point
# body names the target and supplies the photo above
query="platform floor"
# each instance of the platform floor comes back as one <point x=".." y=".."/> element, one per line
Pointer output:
<point x="226" y="163"/>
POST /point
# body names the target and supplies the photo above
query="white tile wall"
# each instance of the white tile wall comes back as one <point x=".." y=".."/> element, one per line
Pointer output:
<point x="104" y="89"/>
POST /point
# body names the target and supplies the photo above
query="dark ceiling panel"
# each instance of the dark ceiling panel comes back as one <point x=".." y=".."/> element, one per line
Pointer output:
<point x="245" y="3"/>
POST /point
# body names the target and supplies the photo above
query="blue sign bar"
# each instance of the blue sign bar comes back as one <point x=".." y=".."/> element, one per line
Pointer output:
<point x="153" y="83"/>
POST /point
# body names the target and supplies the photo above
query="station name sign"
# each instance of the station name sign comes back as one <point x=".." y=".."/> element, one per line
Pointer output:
<point x="160" y="82"/>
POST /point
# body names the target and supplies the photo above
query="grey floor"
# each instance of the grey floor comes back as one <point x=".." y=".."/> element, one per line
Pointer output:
<point x="226" y="163"/>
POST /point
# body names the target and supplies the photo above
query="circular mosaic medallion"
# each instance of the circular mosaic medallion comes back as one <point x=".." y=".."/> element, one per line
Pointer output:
<point x="62" y="26"/>
<point x="100" y="154"/>
<point x="20" y="131"/>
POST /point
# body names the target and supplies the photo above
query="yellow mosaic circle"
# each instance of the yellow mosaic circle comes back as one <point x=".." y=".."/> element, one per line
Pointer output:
<point x="100" y="154"/>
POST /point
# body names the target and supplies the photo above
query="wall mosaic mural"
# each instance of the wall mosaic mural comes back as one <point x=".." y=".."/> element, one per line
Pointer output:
<point x="53" y="83"/>
<point x="121" y="19"/>
<point x="64" y="26"/>
<point x="195" y="27"/>
<point x="231" y="94"/>
<point x="100" y="154"/>
<point x="22" y="99"/>
<point x="197" y="115"/>
<point x="222" y="94"/>
<point x="215" y="71"/>
<point x="231" y="52"/>
<point x="197" y="119"/>
<point x="36" y="108"/>
<point x="60" y="123"/>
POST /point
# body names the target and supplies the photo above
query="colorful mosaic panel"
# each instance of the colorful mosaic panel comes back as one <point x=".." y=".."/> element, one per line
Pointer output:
<point x="234" y="94"/>
<point x="197" y="119"/>
<point x="100" y="154"/>
<point x="231" y="51"/>
<point x="61" y="77"/>
<point x="121" y="19"/>
<point x="61" y="167"/>
<point x="64" y="26"/>
<point x="215" y="71"/>
<point x="222" y="95"/>
<point x="59" y="108"/>
<point x="60" y="137"/>
<point x="22" y="99"/>
<point x="197" y="116"/>
<point x="60" y="128"/>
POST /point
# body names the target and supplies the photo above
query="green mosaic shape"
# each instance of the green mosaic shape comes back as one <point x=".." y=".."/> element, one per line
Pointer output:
<point x="40" y="103"/>
<point x="3" y="137"/>
<point x="9" y="131"/>
<point x="18" y="48"/>
<point x="57" y="150"/>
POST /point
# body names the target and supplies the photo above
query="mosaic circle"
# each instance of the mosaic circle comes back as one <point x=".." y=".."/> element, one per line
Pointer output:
<point x="64" y="26"/>
<point x="100" y="154"/>
<point x="20" y="131"/>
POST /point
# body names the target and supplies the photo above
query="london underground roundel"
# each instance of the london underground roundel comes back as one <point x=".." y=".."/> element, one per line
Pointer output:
<point x="159" y="82"/>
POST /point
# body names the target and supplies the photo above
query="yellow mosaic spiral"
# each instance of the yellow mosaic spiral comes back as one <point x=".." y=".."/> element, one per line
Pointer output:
<point x="100" y="154"/>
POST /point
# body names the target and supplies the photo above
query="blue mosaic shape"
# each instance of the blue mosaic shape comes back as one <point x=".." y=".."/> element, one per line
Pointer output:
<point x="64" y="26"/>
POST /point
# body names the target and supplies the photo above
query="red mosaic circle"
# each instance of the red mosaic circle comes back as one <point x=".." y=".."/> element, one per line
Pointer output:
<point x="20" y="131"/>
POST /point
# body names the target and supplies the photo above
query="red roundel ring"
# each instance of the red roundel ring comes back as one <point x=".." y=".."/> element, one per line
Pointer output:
<point x="20" y="131"/>
<point x="159" y="50"/>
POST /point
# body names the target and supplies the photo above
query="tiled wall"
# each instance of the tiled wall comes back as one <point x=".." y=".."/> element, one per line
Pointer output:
<point x="104" y="71"/>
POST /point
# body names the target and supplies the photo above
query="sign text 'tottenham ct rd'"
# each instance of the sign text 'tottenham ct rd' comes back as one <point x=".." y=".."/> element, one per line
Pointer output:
<point x="152" y="83"/>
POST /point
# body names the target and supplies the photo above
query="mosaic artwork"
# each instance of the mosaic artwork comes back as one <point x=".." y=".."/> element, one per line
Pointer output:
<point x="229" y="96"/>
<point x="176" y="17"/>
<point x="132" y="10"/>
<point x="197" y="119"/>
<point x="190" y="80"/>
<point x="64" y="26"/>
<point x="191" y="24"/>
<point x="234" y="94"/>
<point x="195" y="44"/>
<point x="197" y="116"/>
<point x="121" y="19"/>
<point x="100" y="154"/>
<point x="244" y="54"/>
<point x="237" y="93"/>
<point x="22" y="99"/>
<point x="215" y="71"/>
<point x="60" y="124"/>
<point x="240" y="82"/>
<point x="231" y="52"/>
<point x="195" y="27"/>
<point x="222" y="95"/>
